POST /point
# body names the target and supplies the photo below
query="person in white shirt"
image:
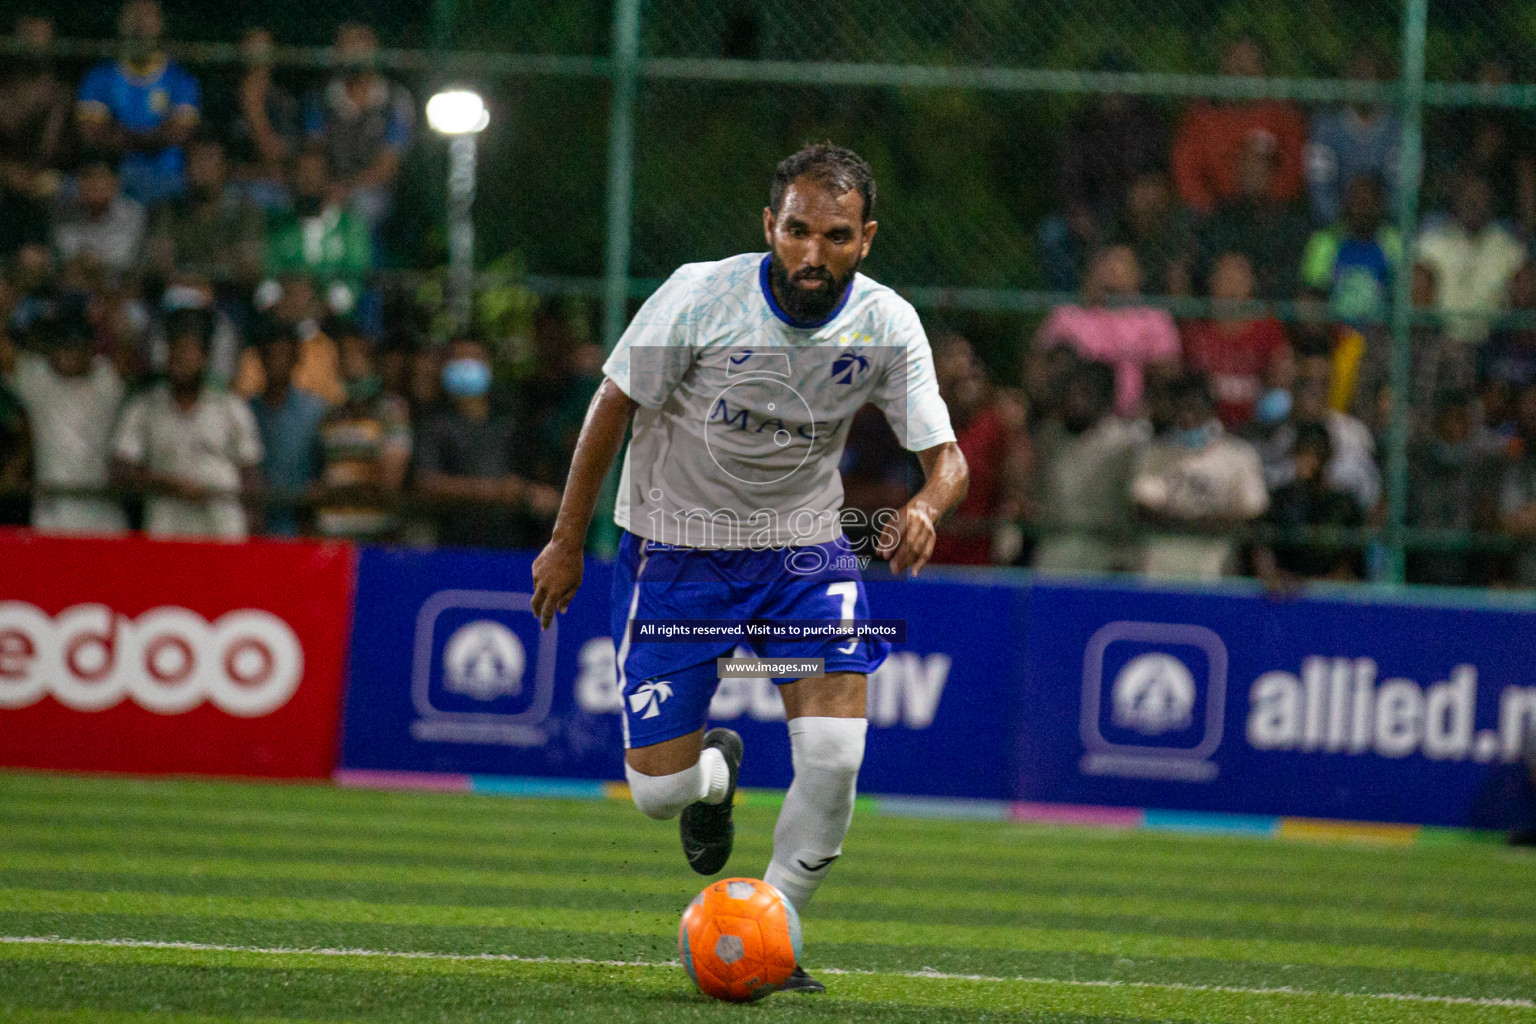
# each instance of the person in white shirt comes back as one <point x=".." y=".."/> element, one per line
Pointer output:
<point x="740" y="377"/>
<point x="102" y="224"/>
<point x="194" y="449"/>
<point x="1473" y="259"/>
<point x="72" y="400"/>
<point x="1197" y="483"/>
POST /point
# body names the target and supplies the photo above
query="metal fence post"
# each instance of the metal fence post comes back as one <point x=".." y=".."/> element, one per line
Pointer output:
<point x="620" y="200"/>
<point x="1410" y="164"/>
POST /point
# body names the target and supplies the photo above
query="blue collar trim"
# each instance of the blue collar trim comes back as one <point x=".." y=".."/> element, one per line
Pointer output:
<point x="766" y="283"/>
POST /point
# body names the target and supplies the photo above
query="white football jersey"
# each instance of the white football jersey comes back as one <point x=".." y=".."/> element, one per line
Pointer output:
<point x="744" y="412"/>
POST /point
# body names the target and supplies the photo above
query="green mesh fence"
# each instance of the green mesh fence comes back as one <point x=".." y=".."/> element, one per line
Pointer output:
<point x="960" y="106"/>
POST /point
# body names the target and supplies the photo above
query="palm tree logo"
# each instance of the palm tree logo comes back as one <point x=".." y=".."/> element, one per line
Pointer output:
<point x="649" y="696"/>
<point x="845" y="364"/>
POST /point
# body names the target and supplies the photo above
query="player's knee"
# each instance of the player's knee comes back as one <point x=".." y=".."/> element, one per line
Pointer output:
<point x="663" y="796"/>
<point x="834" y="745"/>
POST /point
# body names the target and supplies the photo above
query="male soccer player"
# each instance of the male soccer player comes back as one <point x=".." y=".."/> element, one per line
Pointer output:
<point x="741" y="377"/>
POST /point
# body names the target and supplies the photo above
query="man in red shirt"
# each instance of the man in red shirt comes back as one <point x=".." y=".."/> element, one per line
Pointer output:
<point x="1239" y="355"/>
<point x="990" y="431"/>
<point x="1211" y="139"/>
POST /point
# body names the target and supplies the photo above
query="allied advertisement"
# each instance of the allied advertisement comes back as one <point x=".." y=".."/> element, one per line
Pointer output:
<point x="134" y="655"/>
<point x="451" y="673"/>
<point x="1248" y="703"/>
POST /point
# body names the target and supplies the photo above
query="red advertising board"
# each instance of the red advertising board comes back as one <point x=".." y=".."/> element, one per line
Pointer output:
<point x="137" y="655"/>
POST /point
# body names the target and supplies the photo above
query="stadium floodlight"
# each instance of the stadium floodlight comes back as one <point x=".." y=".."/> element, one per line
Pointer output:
<point x="457" y="112"/>
<point x="460" y="115"/>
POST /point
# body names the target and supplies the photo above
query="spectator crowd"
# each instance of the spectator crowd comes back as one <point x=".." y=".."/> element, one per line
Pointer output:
<point x="192" y="341"/>
<point x="1233" y="441"/>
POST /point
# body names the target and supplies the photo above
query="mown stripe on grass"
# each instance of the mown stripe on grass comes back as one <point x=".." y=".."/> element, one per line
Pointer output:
<point x="870" y="901"/>
<point x="83" y="1015"/>
<point x="877" y="957"/>
<point x="1435" y="884"/>
<point x="59" y="949"/>
<point x="620" y="921"/>
<point x="887" y="849"/>
<point x="1045" y="845"/>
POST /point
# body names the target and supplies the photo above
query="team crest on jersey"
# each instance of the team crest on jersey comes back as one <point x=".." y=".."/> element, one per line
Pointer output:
<point x="849" y="365"/>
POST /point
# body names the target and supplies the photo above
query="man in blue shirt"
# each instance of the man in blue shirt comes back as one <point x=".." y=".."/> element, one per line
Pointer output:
<point x="289" y="423"/>
<point x="141" y="108"/>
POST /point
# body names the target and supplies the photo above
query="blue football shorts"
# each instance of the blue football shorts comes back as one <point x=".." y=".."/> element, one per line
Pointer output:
<point x="667" y="686"/>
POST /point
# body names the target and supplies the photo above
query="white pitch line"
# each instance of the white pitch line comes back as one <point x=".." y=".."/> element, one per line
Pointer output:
<point x="925" y="973"/>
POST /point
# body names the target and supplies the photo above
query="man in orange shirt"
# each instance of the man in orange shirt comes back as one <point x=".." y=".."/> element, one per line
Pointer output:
<point x="1211" y="139"/>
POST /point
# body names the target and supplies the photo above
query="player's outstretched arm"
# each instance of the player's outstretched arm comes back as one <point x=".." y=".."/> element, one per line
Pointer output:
<point x="908" y="543"/>
<point x="557" y="570"/>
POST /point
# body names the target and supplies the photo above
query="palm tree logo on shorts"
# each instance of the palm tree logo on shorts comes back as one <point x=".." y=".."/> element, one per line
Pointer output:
<point x="649" y="696"/>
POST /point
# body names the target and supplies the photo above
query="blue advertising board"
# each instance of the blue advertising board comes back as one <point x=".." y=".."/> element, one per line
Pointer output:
<point x="1006" y="688"/>
<point x="450" y="673"/>
<point x="1245" y="703"/>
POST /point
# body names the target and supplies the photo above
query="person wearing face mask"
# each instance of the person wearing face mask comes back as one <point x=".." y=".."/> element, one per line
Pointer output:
<point x="472" y="460"/>
<point x="366" y="449"/>
<point x="1192" y="487"/>
<point x="213" y="228"/>
<point x="320" y="238"/>
<point x="1306" y="501"/>
<point x="141" y="109"/>
<point x="1352" y="465"/>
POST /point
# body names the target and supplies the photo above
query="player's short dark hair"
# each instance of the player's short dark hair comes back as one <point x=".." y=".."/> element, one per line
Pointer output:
<point x="835" y="167"/>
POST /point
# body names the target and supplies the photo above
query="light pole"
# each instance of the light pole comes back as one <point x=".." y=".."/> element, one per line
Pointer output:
<point x="460" y="115"/>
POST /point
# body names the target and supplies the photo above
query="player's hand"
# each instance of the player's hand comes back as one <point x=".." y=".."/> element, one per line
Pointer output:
<point x="556" y="578"/>
<point x="910" y="545"/>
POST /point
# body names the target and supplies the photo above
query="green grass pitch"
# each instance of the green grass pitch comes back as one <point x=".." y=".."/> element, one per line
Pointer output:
<point x="131" y="902"/>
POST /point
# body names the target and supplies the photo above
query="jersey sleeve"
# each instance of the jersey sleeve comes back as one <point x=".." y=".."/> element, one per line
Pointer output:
<point x="657" y="349"/>
<point x="908" y="393"/>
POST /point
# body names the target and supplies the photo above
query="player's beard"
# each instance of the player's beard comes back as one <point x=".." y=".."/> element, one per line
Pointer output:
<point x="808" y="305"/>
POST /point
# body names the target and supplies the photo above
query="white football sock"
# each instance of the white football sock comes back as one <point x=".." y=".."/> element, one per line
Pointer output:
<point x="818" y="808"/>
<point x="664" y="796"/>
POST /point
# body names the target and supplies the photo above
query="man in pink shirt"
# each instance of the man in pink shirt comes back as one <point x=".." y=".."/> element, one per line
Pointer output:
<point x="1106" y="329"/>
